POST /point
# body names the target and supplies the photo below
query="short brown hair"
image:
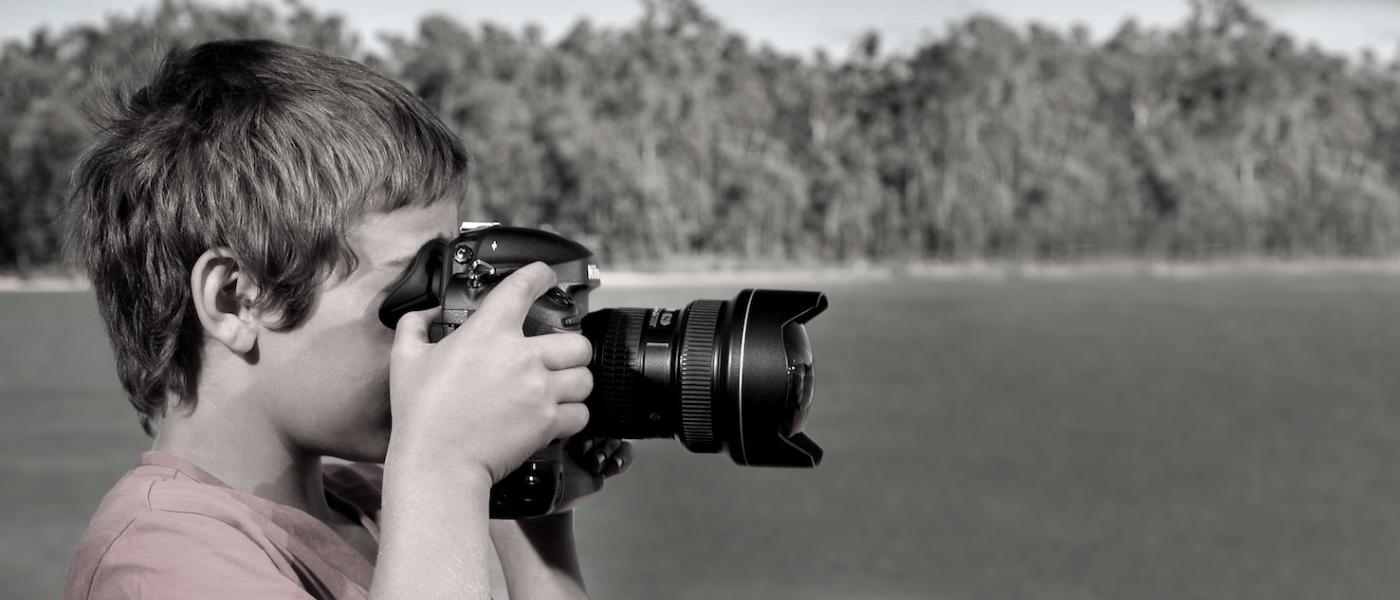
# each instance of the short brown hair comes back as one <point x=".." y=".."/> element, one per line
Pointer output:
<point x="267" y="149"/>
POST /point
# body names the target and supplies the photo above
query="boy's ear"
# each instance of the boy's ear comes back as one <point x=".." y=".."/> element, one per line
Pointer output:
<point x="223" y="296"/>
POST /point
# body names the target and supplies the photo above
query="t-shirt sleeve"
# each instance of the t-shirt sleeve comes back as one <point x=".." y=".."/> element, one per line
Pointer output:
<point x="172" y="555"/>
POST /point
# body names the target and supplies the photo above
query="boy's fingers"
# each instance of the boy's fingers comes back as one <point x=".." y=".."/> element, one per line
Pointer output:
<point x="412" y="329"/>
<point x="578" y="448"/>
<point x="570" y="419"/>
<point x="572" y="385"/>
<point x="563" y="350"/>
<point x="619" y="461"/>
<point x="607" y="446"/>
<point x="601" y="454"/>
<point x="507" y="304"/>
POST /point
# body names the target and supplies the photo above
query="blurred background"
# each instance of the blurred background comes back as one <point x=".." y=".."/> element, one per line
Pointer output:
<point x="1114" y="288"/>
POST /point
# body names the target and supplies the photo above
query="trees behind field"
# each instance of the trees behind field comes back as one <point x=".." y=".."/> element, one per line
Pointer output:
<point x="676" y="137"/>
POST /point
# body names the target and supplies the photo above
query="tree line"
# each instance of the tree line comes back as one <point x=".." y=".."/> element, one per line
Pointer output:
<point x="677" y="138"/>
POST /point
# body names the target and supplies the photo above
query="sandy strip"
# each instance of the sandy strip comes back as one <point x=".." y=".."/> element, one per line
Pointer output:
<point x="45" y="283"/>
<point x="991" y="271"/>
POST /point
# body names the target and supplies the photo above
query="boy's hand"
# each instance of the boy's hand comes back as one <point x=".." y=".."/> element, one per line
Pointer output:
<point x="487" y="396"/>
<point x="587" y="463"/>
<point x="538" y="556"/>
<point x="602" y="456"/>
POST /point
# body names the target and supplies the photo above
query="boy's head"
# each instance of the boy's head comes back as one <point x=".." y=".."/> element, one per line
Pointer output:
<point x="245" y="207"/>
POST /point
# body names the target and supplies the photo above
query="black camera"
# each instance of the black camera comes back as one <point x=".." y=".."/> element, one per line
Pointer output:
<point x="733" y="376"/>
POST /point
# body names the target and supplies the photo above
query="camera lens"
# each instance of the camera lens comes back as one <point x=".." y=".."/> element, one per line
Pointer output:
<point x="733" y="376"/>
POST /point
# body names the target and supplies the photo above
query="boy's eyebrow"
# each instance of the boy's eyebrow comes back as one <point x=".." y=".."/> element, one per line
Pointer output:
<point x="403" y="261"/>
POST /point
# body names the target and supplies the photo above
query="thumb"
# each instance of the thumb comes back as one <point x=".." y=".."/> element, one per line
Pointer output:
<point x="412" y="329"/>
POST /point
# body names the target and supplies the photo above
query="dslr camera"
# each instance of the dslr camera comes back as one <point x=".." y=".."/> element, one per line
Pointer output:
<point x="729" y="376"/>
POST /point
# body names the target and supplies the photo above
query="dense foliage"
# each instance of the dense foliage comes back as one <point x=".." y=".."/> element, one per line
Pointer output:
<point x="676" y="137"/>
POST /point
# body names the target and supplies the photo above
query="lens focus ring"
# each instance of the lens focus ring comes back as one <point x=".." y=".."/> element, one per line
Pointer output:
<point x="697" y="368"/>
<point x="616" y="377"/>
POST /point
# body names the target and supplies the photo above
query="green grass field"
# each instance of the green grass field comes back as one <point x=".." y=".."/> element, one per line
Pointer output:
<point x="1091" y="438"/>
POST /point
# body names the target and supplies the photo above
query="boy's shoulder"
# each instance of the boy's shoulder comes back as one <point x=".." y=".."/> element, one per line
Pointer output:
<point x="169" y="529"/>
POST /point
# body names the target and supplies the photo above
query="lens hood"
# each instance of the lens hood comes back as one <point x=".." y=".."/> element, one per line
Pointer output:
<point x="769" y="378"/>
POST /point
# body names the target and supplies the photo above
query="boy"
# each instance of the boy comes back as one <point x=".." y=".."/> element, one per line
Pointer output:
<point x="240" y="220"/>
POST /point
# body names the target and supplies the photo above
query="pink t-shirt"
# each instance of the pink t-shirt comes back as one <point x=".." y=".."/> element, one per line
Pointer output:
<point x="170" y="530"/>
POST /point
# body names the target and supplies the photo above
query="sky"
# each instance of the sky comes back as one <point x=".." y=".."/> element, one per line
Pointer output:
<point x="796" y="26"/>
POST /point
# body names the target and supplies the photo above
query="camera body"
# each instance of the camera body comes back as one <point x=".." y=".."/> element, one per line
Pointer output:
<point x="719" y="376"/>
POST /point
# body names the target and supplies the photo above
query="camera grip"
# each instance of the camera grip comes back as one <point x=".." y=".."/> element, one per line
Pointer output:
<point x="532" y="490"/>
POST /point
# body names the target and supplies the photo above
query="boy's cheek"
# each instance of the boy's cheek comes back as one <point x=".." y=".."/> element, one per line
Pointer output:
<point x="358" y="433"/>
<point x="335" y="403"/>
<point x="373" y="442"/>
<point x="370" y="448"/>
<point x="366" y="425"/>
<point x="333" y="373"/>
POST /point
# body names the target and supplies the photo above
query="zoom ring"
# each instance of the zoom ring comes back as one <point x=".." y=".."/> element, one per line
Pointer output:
<point x="697" y="367"/>
<point x="617" y="372"/>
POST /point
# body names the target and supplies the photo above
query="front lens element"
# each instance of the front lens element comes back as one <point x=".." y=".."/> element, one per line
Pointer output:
<point x="801" y="377"/>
